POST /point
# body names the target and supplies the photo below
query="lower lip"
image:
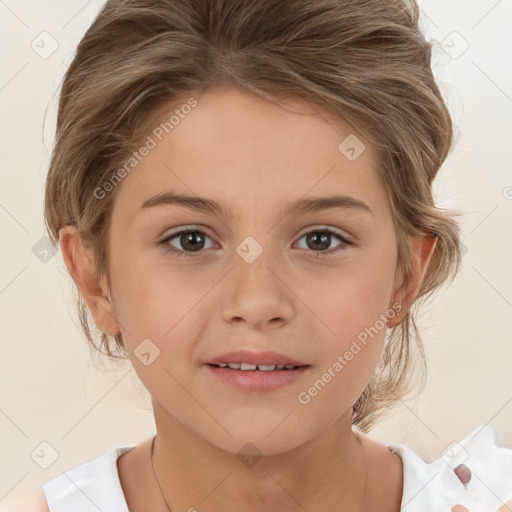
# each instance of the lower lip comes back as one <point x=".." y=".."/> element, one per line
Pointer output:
<point x="258" y="381"/>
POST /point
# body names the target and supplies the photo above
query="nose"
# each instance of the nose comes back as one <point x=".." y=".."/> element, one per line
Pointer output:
<point x="257" y="293"/>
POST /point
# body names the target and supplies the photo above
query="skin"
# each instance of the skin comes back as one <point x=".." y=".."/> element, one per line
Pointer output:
<point x="252" y="156"/>
<point x="507" y="507"/>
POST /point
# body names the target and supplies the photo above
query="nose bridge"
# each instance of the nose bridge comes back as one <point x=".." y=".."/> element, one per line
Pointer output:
<point x="256" y="292"/>
<point x="253" y="263"/>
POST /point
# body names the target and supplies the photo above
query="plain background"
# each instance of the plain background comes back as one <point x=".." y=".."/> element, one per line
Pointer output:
<point x="51" y="392"/>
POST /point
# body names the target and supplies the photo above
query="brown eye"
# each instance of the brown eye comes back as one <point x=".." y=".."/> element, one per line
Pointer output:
<point x="320" y="240"/>
<point x="189" y="241"/>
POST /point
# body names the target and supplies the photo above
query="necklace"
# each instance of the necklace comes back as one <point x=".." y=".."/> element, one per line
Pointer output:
<point x="365" y="493"/>
<point x="154" y="473"/>
<point x="356" y="436"/>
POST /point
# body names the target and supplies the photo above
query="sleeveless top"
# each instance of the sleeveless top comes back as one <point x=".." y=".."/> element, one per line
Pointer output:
<point x="427" y="487"/>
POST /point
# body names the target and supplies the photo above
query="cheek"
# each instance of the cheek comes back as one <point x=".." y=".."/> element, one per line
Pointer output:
<point x="152" y="299"/>
<point x="351" y="301"/>
<point x="354" y="309"/>
<point x="350" y="344"/>
<point x="162" y="312"/>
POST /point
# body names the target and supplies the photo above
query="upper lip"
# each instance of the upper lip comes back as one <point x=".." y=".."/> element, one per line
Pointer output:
<point x="268" y="357"/>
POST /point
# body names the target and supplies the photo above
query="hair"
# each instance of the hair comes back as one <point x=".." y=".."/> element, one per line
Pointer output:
<point x="364" y="60"/>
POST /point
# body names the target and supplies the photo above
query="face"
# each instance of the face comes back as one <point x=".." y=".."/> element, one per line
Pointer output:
<point x="310" y="284"/>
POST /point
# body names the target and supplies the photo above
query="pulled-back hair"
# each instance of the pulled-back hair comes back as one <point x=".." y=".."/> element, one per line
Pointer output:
<point x="365" y="60"/>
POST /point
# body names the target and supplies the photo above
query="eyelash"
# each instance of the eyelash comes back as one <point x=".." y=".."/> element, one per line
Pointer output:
<point x="185" y="254"/>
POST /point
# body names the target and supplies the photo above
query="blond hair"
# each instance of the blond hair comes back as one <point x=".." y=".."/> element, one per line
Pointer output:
<point x="365" y="60"/>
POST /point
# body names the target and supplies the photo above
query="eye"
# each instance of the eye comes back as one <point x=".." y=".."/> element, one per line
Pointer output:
<point x="320" y="239"/>
<point x="190" y="240"/>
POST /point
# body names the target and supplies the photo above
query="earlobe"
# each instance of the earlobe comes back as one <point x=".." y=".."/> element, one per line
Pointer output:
<point x="422" y="250"/>
<point x="82" y="268"/>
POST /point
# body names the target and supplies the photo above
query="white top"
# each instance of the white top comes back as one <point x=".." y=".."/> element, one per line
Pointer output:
<point x="433" y="487"/>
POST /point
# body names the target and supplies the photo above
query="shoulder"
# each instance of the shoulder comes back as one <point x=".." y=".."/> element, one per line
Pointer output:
<point x="481" y="452"/>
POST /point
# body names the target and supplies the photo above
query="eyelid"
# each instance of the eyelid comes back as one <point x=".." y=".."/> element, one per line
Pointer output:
<point x="320" y="227"/>
<point x="185" y="227"/>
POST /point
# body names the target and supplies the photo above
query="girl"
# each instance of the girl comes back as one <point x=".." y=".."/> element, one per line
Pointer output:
<point x="204" y="148"/>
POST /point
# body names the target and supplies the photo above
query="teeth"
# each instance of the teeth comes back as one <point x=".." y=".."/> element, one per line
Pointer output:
<point x="260" y="367"/>
<point x="246" y="366"/>
<point x="266" y="367"/>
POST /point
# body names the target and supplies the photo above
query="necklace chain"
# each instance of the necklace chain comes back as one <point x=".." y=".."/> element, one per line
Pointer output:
<point x="356" y="436"/>
<point x="365" y="491"/>
<point x="156" y="478"/>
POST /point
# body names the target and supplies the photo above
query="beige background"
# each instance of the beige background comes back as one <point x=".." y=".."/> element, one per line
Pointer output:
<point x="51" y="391"/>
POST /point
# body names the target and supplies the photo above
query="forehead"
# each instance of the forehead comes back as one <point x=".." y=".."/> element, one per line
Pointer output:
<point x="239" y="148"/>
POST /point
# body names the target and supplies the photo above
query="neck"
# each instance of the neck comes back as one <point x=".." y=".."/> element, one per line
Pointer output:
<point x="194" y="474"/>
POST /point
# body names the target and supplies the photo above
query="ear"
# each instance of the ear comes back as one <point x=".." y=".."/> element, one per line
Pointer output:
<point x="422" y="249"/>
<point x="82" y="268"/>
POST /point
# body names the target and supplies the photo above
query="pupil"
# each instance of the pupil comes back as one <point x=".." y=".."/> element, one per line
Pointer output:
<point x="324" y="239"/>
<point x="194" y="239"/>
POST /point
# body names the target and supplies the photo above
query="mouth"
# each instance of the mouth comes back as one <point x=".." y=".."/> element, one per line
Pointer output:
<point x="257" y="372"/>
<point x="249" y="367"/>
<point x="258" y="378"/>
<point x="247" y="360"/>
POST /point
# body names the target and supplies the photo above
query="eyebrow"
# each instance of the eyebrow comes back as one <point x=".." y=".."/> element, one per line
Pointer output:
<point x="304" y="205"/>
